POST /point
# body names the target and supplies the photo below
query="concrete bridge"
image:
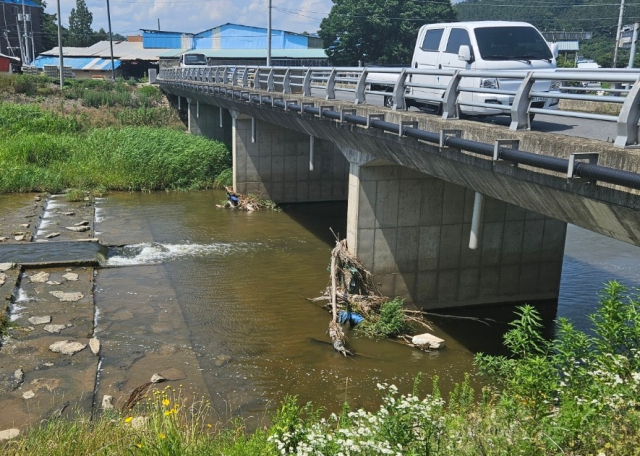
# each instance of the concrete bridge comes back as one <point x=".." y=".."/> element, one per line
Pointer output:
<point x="443" y="213"/>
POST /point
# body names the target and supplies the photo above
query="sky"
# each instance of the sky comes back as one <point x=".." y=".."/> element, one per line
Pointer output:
<point x="193" y="16"/>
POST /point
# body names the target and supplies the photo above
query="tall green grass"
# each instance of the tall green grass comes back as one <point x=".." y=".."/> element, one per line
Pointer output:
<point x="42" y="151"/>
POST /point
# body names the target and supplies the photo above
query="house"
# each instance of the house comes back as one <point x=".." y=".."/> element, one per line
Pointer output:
<point x="9" y="64"/>
<point x="13" y="36"/>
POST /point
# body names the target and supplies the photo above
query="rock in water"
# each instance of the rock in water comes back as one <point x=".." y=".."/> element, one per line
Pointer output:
<point x="67" y="347"/>
<point x="54" y="329"/>
<point x="67" y="297"/>
<point x="40" y="320"/>
<point x="71" y="276"/>
<point x="29" y="395"/>
<point x="427" y="340"/>
<point x="19" y="375"/>
<point x="157" y="378"/>
<point x="94" y="345"/>
<point x="9" y="434"/>
<point x="40" y="277"/>
<point x="78" y="229"/>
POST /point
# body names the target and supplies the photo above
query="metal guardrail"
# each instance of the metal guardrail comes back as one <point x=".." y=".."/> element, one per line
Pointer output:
<point x="358" y="82"/>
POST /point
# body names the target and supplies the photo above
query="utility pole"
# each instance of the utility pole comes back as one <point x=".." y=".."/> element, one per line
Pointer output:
<point x="618" y="34"/>
<point x="20" y="42"/>
<point x="61" y="69"/>
<point x="632" y="55"/>
<point x="269" y="37"/>
<point x="26" y="35"/>
<point x="113" y="68"/>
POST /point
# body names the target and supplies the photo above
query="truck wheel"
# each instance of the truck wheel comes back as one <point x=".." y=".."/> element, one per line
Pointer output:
<point x="388" y="101"/>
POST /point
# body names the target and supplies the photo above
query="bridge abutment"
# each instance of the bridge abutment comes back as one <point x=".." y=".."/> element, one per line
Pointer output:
<point x="277" y="163"/>
<point x="412" y="232"/>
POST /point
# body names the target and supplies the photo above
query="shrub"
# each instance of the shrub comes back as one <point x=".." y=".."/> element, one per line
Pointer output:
<point x="224" y="179"/>
<point x="389" y="322"/>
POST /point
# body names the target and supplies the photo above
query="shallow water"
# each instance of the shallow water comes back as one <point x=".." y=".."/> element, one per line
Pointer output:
<point x="242" y="281"/>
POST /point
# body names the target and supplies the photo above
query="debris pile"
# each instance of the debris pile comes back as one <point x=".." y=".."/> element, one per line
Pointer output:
<point x="248" y="202"/>
<point x="353" y="298"/>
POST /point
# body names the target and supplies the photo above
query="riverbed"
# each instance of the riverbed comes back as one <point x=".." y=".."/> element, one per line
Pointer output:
<point x="225" y="292"/>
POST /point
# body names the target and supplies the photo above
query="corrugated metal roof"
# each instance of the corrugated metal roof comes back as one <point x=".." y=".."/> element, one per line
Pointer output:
<point x="123" y="50"/>
<point x="568" y="46"/>
<point x="78" y="63"/>
<point x="252" y="53"/>
<point x="19" y="2"/>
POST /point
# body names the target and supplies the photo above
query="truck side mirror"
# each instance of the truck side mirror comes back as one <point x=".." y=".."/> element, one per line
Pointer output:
<point x="464" y="53"/>
<point x="554" y="49"/>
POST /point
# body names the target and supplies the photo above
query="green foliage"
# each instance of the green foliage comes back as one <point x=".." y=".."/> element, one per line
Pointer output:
<point x="380" y="31"/>
<point x="43" y="151"/>
<point x="28" y="84"/>
<point x="224" y="179"/>
<point x="74" y="194"/>
<point x="80" y="32"/>
<point x="389" y="322"/>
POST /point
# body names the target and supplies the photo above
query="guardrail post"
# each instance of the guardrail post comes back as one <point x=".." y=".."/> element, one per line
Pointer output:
<point x="234" y="77"/>
<point x="331" y="85"/>
<point x="520" y="107"/>
<point x="450" y="98"/>
<point x="361" y="96"/>
<point x="245" y="77"/>
<point x="270" y="81"/>
<point x="306" y="83"/>
<point x="256" y="79"/>
<point x="628" y="118"/>
<point x="398" y="91"/>
<point x="286" y="81"/>
<point x="225" y="70"/>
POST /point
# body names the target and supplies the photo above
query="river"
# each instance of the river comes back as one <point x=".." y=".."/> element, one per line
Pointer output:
<point x="242" y="281"/>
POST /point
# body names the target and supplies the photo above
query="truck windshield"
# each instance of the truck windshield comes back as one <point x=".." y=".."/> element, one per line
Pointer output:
<point x="195" y="59"/>
<point x="512" y="43"/>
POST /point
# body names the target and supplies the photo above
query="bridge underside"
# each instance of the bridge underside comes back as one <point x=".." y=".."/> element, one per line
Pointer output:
<point x="410" y="201"/>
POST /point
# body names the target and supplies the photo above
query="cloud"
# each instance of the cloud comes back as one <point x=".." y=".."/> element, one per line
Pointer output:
<point x="193" y="16"/>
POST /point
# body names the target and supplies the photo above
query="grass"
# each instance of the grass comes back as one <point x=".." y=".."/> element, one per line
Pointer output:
<point x="390" y="321"/>
<point x="44" y="151"/>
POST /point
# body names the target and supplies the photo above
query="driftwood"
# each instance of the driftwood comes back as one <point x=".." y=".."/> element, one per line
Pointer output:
<point x="135" y="396"/>
<point x="352" y="289"/>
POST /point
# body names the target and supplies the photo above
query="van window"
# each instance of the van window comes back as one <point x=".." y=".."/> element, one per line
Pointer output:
<point x="512" y="43"/>
<point x="432" y="40"/>
<point x="458" y="37"/>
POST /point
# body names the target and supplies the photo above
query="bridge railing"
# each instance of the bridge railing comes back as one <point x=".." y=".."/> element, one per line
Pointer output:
<point x="520" y="94"/>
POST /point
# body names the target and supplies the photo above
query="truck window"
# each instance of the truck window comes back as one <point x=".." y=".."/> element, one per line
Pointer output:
<point x="458" y="37"/>
<point x="195" y="59"/>
<point x="512" y="43"/>
<point x="432" y="40"/>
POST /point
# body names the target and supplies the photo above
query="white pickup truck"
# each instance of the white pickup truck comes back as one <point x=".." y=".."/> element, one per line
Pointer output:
<point x="495" y="46"/>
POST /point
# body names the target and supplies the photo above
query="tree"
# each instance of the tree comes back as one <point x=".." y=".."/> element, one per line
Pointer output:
<point x="49" y="34"/>
<point x="80" y="19"/>
<point x="379" y="31"/>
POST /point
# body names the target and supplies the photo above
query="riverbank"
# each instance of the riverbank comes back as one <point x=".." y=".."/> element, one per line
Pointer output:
<point x="99" y="135"/>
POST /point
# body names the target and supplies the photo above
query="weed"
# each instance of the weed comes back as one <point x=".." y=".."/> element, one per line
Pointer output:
<point x="74" y="194"/>
<point x="389" y="322"/>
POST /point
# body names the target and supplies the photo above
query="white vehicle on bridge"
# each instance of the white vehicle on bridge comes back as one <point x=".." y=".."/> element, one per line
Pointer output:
<point x="193" y="60"/>
<point x="491" y="46"/>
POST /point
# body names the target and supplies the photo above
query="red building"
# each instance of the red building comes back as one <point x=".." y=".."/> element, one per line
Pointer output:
<point x="8" y="64"/>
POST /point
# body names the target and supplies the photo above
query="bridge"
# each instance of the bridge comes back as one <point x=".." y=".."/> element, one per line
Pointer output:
<point x="443" y="211"/>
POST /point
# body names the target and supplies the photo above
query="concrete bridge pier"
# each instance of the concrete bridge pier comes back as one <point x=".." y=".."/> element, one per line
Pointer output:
<point x="284" y="165"/>
<point x="412" y="232"/>
<point x="209" y="121"/>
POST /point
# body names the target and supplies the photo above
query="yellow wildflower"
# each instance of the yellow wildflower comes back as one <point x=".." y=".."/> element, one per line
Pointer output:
<point x="128" y="419"/>
<point x="162" y="435"/>
<point x="166" y="402"/>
